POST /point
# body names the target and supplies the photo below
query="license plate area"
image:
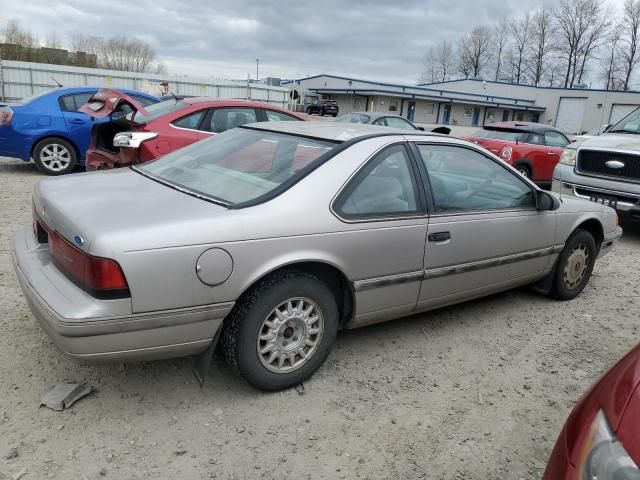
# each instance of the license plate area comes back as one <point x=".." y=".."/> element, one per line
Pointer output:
<point x="604" y="200"/>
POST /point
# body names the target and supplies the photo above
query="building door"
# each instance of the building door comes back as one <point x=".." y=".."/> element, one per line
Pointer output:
<point x="411" y="112"/>
<point x="570" y="114"/>
<point x="476" y="117"/>
<point x="535" y="117"/>
<point x="505" y="116"/>
<point x="447" y="114"/>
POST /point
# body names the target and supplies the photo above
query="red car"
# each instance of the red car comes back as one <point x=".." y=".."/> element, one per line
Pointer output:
<point x="138" y="134"/>
<point x="601" y="438"/>
<point x="532" y="148"/>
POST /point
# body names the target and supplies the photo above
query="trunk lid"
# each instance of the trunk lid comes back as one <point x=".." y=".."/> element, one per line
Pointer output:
<point x="121" y="208"/>
<point x="107" y="101"/>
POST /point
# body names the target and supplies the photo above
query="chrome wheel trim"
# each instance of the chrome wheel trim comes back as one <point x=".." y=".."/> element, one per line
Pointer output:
<point x="55" y="157"/>
<point x="290" y="335"/>
<point x="576" y="266"/>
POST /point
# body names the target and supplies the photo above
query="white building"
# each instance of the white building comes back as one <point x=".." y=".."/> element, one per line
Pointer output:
<point x="471" y="102"/>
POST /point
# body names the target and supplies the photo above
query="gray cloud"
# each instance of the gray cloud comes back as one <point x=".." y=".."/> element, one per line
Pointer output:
<point x="379" y="39"/>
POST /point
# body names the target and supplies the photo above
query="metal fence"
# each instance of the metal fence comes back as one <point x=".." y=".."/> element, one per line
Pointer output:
<point x="23" y="79"/>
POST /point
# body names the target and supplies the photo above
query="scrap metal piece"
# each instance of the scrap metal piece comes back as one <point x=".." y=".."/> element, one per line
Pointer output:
<point x="64" y="395"/>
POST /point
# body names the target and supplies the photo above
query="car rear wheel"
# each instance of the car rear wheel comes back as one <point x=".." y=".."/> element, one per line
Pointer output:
<point x="281" y="332"/>
<point x="54" y="156"/>
<point x="575" y="265"/>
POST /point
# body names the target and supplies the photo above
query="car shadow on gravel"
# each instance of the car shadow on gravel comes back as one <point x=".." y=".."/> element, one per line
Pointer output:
<point x="8" y="166"/>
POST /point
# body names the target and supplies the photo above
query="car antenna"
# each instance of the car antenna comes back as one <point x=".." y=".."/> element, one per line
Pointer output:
<point x="59" y="84"/>
<point x="174" y="96"/>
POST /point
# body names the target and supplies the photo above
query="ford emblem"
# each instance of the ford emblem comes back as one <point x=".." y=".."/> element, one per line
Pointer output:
<point x="78" y="239"/>
<point x="614" y="164"/>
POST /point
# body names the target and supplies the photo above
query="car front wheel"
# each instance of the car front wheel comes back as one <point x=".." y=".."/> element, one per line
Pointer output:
<point x="575" y="265"/>
<point x="54" y="156"/>
<point x="281" y="332"/>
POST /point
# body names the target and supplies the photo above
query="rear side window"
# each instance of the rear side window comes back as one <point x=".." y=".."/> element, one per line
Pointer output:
<point x="384" y="187"/>
<point x="144" y="101"/>
<point x="223" y="119"/>
<point x="191" y="122"/>
<point x="274" y="116"/>
<point x="71" y="103"/>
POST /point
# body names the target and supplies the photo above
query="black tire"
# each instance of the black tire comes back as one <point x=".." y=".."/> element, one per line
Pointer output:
<point x="579" y="242"/>
<point x="246" y="322"/>
<point x="55" y="156"/>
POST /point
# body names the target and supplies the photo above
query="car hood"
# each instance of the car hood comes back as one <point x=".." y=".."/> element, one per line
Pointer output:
<point x="120" y="210"/>
<point x="107" y="101"/>
<point x="611" y="141"/>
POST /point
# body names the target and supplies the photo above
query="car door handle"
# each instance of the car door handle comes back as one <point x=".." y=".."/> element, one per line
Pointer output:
<point x="439" y="236"/>
<point x="77" y="121"/>
<point x="551" y="153"/>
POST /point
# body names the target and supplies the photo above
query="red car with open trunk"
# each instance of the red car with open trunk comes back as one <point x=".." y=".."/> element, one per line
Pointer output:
<point x="532" y="148"/>
<point x="146" y="133"/>
<point x="601" y="438"/>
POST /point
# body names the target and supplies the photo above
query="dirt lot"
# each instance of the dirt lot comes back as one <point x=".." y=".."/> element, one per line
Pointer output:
<point x="476" y="391"/>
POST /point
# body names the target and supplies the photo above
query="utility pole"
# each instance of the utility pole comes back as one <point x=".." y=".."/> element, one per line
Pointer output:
<point x="257" y="66"/>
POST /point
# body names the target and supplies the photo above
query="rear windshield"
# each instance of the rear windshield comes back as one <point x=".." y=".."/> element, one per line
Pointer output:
<point x="239" y="165"/>
<point x="353" y="118"/>
<point x="156" y="111"/>
<point x="502" y="134"/>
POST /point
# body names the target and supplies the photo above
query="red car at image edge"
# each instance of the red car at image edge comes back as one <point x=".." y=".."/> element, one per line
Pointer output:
<point x="137" y="134"/>
<point x="601" y="438"/>
<point x="533" y="149"/>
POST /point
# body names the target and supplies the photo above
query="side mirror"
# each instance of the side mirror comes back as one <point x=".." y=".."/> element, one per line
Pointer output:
<point x="420" y="128"/>
<point x="546" y="201"/>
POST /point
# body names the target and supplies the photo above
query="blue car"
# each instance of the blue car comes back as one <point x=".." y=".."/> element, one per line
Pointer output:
<point x="48" y="128"/>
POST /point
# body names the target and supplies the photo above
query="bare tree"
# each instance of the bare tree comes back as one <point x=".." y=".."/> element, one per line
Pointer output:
<point x="52" y="40"/>
<point x="24" y="42"/>
<point x="122" y="53"/>
<point x="541" y="43"/>
<point x="474" y="51"/>
<point x="500" y="39"/>
<point x="611" y="68"/>
<point x="582" y="26"/>
<point x="520" y="30"/>
<point x="630" y="27"/>
<point x="438" y="63"/>
<point x="430" y="64"/>
<point x="85" y="43"/>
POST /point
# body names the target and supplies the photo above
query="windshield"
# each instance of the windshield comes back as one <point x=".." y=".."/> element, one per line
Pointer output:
<point x="502" y="134"/>
<point x="156" y="111"/>
<point x="353" y="118"/>
<point x="629" y="124"/>
<point x="238" y="165"/>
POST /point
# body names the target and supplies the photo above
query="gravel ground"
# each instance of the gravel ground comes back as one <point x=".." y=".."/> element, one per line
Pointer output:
<point x="475" y="391"/>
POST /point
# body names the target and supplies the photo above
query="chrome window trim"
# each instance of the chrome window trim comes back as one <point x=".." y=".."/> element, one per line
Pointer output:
<point x="187" y="129"/>
<point x="388" y="280"/>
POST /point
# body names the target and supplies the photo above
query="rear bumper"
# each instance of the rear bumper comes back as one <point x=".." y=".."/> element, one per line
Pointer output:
<point x="105" y="330"/>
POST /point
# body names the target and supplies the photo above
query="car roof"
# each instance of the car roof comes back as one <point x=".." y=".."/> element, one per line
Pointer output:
<point x="523" y="126"/>
<point x="332" y="131"/>
<point x="375" y="115"/>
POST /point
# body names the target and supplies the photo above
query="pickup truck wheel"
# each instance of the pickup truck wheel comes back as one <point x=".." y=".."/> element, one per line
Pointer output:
<point x="54" y="156"/>
<point x="281" y="332"/>
<point x="575" y="265"/>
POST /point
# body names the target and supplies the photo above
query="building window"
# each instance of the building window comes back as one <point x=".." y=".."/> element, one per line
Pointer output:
<point x="393" y="105"/>
<point x="467" y="112"/>
<point x="430" y="108"/>
<point x="491" y="115"/>
<point x="520" y="116"/>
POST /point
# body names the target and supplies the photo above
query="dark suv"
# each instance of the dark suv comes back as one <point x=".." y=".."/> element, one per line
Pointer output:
<point x="323" y="107"/>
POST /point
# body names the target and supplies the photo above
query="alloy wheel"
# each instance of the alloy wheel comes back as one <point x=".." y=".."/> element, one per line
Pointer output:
<point x="55" y="157"/>
<point x="290" y="335"/>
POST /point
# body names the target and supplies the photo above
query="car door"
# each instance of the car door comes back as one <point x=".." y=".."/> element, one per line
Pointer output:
<point x="78" y="124"/>
<point x="386" y="213"/>
<point x="555" y="143"/>
<point x="222" y="119"/>
<point x="485" y="233"/>
<point x="535" y="151"/>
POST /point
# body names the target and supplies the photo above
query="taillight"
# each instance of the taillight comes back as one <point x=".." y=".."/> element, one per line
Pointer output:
<point x="132" y="139"/>
<point x="101" y="277"/>
<point x="6" y="114"/>
<point x="505" y="153"/>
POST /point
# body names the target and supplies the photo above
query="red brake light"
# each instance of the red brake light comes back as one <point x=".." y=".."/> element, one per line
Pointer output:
<point x="6" y="114"/>
<point x="101" y="277"/>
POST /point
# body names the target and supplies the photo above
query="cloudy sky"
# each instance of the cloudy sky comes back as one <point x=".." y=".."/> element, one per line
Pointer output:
<point x="374" y="39"/>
